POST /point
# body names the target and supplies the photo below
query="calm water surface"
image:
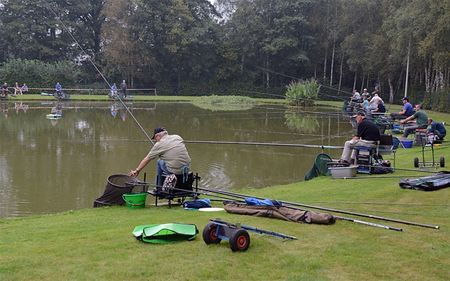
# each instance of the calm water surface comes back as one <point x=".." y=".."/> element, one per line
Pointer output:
<point x="48" y="166"/>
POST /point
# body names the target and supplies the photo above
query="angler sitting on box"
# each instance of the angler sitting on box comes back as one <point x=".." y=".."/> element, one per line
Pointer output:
<point x="172" y="153"/>
<point x="367" y="135"/>
<point x="437" y="128"/>
<point x="421" y="119"/>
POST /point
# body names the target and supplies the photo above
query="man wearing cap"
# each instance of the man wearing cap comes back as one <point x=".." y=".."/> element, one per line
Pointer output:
<point x="421" y="121"/>
<point x="367" y="135"/>
<point x="407" y="110"/>
<point x="172" y="153"/>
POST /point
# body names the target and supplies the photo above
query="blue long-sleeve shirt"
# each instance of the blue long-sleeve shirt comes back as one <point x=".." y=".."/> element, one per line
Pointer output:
<point x="437" y="126"/>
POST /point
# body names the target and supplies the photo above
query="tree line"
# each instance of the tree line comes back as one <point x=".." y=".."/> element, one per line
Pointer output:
<point x="243" y="47"/>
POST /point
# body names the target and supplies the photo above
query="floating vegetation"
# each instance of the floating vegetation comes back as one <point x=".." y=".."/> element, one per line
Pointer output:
<point x="224" y="103"/>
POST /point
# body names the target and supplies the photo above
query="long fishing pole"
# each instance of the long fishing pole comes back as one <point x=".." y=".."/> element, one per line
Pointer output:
<point x="101" y="74"/>
<point x="400" y="169"/>
<point x="369" y="223"/>
<point x="233" y="198"/>
<point x="330" y="209"/>
<point x="265" y="144"/>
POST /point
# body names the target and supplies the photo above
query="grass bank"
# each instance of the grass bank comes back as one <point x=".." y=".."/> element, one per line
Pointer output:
<point x="96" y="244"/>
<point x="197" y="99"/>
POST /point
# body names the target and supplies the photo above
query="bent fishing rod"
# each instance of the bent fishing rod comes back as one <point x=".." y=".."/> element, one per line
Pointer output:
<point x="328" y="209"/>
<point x="99" y="72"/>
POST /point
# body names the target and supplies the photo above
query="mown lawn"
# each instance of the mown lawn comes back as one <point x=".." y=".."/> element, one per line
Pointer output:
<point x="96" y="244"/>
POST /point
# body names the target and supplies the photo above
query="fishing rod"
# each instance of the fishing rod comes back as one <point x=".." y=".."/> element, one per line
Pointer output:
<point x="296" y="78"/>
<point x="382" y="203"/>
<point x="101" y="74"/>
<point x="369" y="223"/>
<point x="266" y="144"/>
<point x="330" y="210"/>
<point x="399" y="169"/>
<point x="233" y="199"/>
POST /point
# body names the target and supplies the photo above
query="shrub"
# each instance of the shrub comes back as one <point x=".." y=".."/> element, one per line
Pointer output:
<point x="37" y="73"/>
<point x="438" y="101"/>
<point x="302" y="92"/>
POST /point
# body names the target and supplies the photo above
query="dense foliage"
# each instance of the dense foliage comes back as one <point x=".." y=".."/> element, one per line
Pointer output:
<point x="239" y="46"/>
<point x="302" y="93"/>
<point x="37" y="73"/>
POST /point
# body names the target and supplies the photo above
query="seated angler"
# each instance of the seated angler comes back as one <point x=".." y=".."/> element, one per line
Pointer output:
<point x="381" y="109"/>
<point x="407" y="110"/>
<point x="421" y="119"/>
<point x="173" y="157"/>
<point x="438" y="129"/>
<point x="356" y="97"/>
<point x="367" y="135"/>
<point x="375" y="101"/>
<point x="365" y="94"/>
<point x="58" y="90"/>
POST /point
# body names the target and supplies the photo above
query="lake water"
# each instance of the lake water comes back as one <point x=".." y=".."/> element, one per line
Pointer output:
<point x="48" y="166"/>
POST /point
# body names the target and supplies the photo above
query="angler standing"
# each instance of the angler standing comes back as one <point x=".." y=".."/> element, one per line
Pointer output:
<point x="123" y="88"/>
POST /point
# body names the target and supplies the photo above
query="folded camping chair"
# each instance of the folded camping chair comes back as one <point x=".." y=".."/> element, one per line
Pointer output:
<point x="182" y="189"/>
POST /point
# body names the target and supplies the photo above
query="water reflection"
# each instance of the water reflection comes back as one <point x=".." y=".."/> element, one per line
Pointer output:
<point x="118" y="108"/>
<point x="20" y="106"/>
<point x="4" y="108"/>
<point x="50" y="168"/>
<point x="57" y="109"/>
<point x="301" y="122"/>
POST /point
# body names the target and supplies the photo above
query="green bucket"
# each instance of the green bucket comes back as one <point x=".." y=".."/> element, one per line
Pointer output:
<point x="135" y="200"/>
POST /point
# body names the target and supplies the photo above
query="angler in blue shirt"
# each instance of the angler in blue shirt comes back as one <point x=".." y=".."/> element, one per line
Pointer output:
<point x="437" y="128"/>
<point x="58" y="90"/>
<point x="407" y="110"/>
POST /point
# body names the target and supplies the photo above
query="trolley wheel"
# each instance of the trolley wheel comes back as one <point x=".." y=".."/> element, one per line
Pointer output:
<point x="416" y="162"/>
<point x="442" y="162"/>
<point x="210" y="234"/>
<point x="240" y="240"/>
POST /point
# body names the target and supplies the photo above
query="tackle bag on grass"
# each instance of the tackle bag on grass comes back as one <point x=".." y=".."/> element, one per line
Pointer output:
<point x="197" y="204"/>
<point x="165" y="233"/>
<point x="429" y="183"/>
<point x="283" y="213"/>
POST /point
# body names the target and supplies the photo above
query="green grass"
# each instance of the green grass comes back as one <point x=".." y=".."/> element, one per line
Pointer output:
<point x="225" y="103"/>
<point x="96" y="244"/>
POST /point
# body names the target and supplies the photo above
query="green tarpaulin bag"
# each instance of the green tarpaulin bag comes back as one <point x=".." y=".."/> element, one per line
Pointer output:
<point x="165" y="233"/>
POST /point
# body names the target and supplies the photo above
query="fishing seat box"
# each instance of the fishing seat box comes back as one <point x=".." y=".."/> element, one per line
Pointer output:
<point x="366" y="156"/>
<point x="183" y="188"/>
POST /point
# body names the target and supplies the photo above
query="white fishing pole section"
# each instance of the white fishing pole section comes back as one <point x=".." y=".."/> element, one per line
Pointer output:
<point x="101" y="74"/>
